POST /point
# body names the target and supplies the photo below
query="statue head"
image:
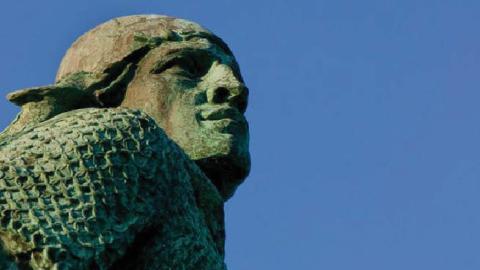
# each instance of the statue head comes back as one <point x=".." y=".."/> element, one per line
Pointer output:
<point x="179" y="73"/>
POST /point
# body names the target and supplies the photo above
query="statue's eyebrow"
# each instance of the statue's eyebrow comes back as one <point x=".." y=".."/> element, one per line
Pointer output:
<point x="222" y="45"/>
<point x="177" y="53"/>
<point x="213" y="39"/>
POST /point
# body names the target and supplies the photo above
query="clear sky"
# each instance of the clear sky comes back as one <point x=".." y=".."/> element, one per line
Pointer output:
<point x="365" y="134"/>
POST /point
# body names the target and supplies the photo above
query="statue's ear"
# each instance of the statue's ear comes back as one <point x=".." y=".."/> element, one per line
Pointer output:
<point x="112" y="94"/>
<point x="109" y="89"/>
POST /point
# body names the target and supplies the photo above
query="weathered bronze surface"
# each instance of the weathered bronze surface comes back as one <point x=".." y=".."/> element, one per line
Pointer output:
<point x="126" y="161"/>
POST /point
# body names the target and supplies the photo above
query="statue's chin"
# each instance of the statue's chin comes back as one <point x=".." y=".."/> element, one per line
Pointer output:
<point x="223" y="157"/>
<point x="226" y="172"/>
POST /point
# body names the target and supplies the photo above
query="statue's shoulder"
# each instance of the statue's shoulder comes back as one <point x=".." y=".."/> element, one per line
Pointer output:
<point x="95" y="124"/>
<point x="80" y="186"/>
<point x="94" y="138"/>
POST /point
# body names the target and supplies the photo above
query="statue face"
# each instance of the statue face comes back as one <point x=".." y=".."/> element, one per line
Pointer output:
<point x="194" y="91"/>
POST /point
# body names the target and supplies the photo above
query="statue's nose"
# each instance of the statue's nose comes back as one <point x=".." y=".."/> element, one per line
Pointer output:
<point x="227" y="88"/>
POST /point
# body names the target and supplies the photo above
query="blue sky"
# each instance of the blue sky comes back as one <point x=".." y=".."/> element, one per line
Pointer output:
<point x="364" y="122"/>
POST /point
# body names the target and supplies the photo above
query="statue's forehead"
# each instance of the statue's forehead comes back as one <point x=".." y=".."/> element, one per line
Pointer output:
<point x="173" y="47"/>
<point x="196" y="43"/>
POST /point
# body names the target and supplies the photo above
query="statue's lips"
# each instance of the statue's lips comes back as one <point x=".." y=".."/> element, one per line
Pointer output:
<point x="226" y="119"/>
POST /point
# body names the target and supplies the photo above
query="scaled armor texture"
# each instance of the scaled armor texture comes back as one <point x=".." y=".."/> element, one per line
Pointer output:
<point x="80" y="190"/>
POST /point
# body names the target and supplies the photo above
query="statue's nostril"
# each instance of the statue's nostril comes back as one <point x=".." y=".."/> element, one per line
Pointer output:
<point x="220" y="95"/>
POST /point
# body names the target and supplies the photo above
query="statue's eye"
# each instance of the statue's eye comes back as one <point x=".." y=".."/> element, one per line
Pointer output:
<point x="191" y="66"/>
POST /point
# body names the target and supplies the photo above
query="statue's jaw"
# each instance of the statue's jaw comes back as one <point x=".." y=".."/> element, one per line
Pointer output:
<point x="226" y="172"/>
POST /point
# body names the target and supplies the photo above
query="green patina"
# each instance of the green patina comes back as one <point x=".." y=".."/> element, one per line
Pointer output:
<point x="126" y="161"/>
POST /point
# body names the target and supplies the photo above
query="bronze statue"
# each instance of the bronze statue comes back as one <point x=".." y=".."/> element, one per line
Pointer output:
<point x="126" y="161"/>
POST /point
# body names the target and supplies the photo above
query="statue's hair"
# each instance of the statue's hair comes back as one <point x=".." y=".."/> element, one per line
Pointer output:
<point x="103" y="61"/>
